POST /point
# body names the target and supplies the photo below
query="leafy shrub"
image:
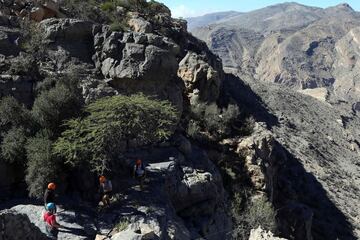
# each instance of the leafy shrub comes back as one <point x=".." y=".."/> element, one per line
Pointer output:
<point x="13" y="145"/>
<point x="220" y="120"/>
<point x="122" y="225"/>
<point x="193" y="129"/>
<point x="108" y="6"/>
<point x="247" y="127"/>
<point x="118" y="26"/>
<point x="42" y="165"/>
<point x="217" y="121"/>
<point x="259" y="212"/>
<point x="34" y="42"/>
<point x="55" y="105"/>
<point x="12" y="113"/>
<point x="110" y="122"/>
<point x="23" y="65"/>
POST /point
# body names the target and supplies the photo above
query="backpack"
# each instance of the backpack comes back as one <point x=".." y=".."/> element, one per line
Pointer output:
<point x="139" y="170"/>
<point x="107" y="186"/>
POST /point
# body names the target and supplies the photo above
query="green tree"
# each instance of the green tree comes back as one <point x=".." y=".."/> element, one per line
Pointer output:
<point x="111" y="123"/>
<point x="53" y="106"/>
<point x="219" y="122"/>
<point x="13" y="145"/>
<point x="42" y="165"/>
<point x="12" y="113"/>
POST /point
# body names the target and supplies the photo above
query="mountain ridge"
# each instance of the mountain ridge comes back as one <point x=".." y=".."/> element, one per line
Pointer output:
<point x="288" y="43"/>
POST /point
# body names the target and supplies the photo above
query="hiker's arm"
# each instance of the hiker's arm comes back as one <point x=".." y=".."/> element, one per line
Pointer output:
<point x="57" y="225"/>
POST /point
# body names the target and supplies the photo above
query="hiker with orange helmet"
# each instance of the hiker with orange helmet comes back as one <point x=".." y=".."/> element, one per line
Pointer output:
<point x="106" y="190"/>
<point x="139" y="172"/>
<point x="49" y="196"/>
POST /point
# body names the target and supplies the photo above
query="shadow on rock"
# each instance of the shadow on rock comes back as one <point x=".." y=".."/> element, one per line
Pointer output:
<point x="248" y="99"/>
<point x="304" y="210"/>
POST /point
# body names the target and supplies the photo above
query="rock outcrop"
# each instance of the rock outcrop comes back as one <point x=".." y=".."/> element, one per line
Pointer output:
<point x="15" y="225"/>
<point x="138" y="62"/>
<point x="33" y="10"/>
<point x="260" y="234"/>
<point x="198" y="74"/>
<point x="26" y="222"/>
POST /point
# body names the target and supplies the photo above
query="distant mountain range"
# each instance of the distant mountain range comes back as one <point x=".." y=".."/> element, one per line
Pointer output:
<point x="292" y="44"/>
<point x="195" y="22"/>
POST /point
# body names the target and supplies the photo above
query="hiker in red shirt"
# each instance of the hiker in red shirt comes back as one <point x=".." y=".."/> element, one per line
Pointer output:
<point x="50" y="219"/>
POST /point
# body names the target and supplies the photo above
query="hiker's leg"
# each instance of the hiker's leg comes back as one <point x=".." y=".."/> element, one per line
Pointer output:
<point x="103" y="200"/>
<point x="142" y="182"/>
<point x="106" y="200"/>
<point x="54" y="232"/>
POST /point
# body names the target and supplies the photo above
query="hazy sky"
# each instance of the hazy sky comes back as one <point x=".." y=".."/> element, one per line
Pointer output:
<point x="191" y="8"/>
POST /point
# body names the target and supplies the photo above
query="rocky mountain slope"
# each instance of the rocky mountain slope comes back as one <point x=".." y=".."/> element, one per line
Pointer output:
<point x="183" y="199"/>
<point x="207" y="180"/>
<point x="302" y="70"/>
<point x="320" y="170"/>
<point x="291" y="44"/>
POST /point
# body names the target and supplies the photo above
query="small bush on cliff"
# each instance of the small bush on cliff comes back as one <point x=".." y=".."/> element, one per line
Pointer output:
<point x="258" y="212"/>
<point x="42" y="165"/>
<point x="213" y="119"/>
<point x="111" y="123"/>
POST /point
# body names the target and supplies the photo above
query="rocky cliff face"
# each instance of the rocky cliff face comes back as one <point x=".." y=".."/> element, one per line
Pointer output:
<point x="310" y="111"/>
<point x="306" y="157"/>
<point x="183" y="199"/>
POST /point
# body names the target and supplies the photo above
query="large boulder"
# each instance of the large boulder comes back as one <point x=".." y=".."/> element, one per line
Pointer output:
<point x="67" y="29"/>
<point x="9" y="41"/>
<point x="26" y="222"/>
<point x="69" y="42"/>
<point x="14" y="226"/>
<point x="196" y="192"/>
<point x="257" y="149"/>
<point x="136" y="62"/>
<point x="197" y="73"/>
<point x="140" y="25"/>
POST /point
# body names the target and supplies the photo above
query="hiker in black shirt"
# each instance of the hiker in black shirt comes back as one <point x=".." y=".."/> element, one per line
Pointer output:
<point x="49" y="196"/>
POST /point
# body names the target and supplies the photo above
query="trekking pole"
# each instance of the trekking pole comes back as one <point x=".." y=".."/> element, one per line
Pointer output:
<point x="63" y="210"/>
